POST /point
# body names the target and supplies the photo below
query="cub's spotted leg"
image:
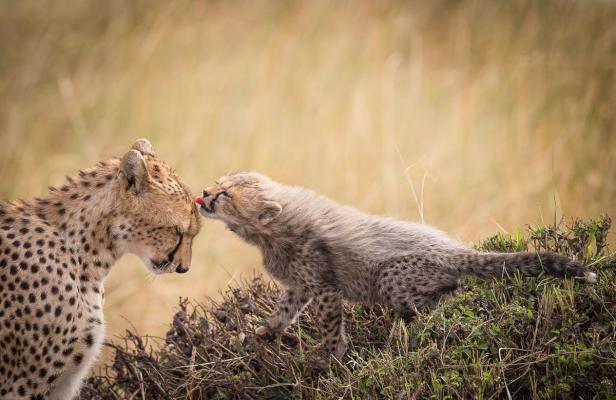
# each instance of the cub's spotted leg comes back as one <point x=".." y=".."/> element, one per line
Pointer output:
<point x="329" y="313"/>
<point x="290" y="304"/>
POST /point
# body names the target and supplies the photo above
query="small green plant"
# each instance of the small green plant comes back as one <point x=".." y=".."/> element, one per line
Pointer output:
<point x="582" y="240"/>
<point x="504" y="242"/>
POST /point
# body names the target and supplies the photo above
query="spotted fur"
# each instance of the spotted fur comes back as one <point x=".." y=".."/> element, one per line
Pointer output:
<point x="324" y="252"/>
<point x="55" y="253"/>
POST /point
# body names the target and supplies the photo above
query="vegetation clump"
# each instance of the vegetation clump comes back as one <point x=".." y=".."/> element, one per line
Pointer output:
<point x="519" y="337"/>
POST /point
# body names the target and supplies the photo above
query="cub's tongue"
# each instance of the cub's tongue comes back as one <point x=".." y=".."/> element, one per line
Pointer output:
<point x="199" y="200"/>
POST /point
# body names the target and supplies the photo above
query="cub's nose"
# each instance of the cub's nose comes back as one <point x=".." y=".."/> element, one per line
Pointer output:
<point x="180" y="269"/>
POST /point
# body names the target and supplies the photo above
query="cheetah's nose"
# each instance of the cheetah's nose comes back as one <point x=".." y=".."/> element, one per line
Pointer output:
<point x="180" y="269"/>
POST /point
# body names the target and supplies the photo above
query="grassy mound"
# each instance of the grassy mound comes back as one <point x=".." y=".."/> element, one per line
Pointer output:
<point x="519" y="338"/>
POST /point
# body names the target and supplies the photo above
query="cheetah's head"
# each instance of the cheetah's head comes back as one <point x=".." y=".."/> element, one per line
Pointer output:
<point x="242" y="201"/>
<point x="156" y="218"/>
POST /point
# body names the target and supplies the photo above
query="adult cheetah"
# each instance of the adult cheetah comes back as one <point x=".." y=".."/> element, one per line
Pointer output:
<point x="55" y="253"/>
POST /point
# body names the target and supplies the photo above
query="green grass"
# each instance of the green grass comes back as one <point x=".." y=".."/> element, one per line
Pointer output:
<point x="537" y="337"/>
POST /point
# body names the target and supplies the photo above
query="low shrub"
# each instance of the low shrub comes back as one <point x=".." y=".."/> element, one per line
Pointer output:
<point x="540" y="337"/>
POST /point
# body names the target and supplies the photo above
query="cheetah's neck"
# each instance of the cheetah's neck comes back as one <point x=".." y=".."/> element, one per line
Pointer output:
<point x="81" y="212"/>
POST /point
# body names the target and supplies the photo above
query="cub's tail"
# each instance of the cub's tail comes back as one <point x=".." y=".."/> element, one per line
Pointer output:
<point x="530" y="264"/>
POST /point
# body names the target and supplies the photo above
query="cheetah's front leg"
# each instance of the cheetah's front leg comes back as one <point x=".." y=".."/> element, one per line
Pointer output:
<point x="329" y="313"/>
<point x="290" y="304"/>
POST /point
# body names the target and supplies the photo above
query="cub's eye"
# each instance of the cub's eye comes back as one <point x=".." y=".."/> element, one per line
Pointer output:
<point x="226" y="194"/>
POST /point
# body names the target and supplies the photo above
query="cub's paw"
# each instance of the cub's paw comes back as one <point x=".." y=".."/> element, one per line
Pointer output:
<point x="265" y="332"/>
<point x="341" y="349"/>
<point x="336" y="348"/>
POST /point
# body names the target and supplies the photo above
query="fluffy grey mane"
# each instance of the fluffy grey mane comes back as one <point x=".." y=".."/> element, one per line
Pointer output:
<point x="370" y="237"/>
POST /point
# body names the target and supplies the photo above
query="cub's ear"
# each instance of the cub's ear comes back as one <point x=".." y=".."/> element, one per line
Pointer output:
<point x="269" y="211"/>
<point x="144" y="147"/>
<point x="133" y="171"/>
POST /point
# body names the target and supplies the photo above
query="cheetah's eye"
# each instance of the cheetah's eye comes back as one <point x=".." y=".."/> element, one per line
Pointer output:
<point x="180" y="237"/>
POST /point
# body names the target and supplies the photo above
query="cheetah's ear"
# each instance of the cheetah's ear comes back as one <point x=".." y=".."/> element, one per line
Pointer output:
<point x="133" y="171"/>
<point x="269" y="211"/>
<point x="144" y="147"/>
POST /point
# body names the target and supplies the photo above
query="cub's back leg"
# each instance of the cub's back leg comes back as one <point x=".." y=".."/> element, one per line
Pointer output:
<point x="413" y="283"/>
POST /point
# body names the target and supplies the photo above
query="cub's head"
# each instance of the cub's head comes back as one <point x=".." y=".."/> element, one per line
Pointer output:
<point x="155" y="217"/>
<point x="242" y="201"/>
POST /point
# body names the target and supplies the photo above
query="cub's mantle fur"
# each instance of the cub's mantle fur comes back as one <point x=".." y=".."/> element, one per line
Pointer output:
<point x="324" y="252"/>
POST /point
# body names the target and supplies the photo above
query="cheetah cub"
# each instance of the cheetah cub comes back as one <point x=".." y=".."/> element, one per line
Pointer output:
<point x="323" y="252"/>
<point x="55" y="253"/>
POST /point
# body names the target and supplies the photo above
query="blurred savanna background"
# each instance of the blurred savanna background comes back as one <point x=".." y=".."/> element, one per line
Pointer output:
<point x="474" y="116"/>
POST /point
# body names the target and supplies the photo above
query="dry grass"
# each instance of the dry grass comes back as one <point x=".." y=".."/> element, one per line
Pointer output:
<point x="522" y="338"/>
<point x="498" y="112"/>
